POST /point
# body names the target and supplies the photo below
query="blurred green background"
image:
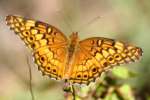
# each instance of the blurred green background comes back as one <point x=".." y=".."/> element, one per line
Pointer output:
<point x="126" y="20"/>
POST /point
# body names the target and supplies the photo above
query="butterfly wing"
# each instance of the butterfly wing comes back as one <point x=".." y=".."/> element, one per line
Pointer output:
<point x="95" y="55"/>
<point x="48" y="44"/>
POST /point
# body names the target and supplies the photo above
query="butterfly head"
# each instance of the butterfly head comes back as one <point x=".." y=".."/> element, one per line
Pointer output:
<point x="74" y="38"/>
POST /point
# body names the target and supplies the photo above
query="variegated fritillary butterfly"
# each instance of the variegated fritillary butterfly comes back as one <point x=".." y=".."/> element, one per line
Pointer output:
<point x="73" y="60"/>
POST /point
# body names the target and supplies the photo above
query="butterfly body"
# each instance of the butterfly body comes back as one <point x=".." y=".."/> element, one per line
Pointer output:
<point x="70" y="59"/>
<point x="73" y="45"/>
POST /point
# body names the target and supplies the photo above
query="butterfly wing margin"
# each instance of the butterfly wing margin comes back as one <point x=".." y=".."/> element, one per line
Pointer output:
<point x="96" y="55"/>
<point x="48" y="44"/>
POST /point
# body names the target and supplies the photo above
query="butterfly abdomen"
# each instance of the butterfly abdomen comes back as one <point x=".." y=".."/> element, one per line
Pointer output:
<point x="72" y="47"/>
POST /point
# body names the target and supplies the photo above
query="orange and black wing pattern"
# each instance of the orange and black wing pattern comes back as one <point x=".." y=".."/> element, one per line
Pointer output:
<point x="47" y="43"/>
<point x="96" y="55"/>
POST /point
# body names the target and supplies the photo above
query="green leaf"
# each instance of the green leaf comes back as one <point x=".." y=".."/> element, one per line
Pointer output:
<point x="126" y="92"/>
<point x="112" y="96"/>
<point x="121" y="72"/>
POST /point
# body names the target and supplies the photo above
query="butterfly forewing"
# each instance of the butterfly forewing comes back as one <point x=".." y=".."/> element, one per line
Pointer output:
<point x="97" y="54"/>
<point x="47" y="43"/>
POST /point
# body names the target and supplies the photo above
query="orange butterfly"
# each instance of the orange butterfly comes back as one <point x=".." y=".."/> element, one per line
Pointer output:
<point x="70" y="59"/>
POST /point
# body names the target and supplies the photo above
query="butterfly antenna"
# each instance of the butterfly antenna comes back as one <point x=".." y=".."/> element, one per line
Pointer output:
<point x="30" y="78"/>
<point x="89" y="23"/>
<point x="65" y="20"/>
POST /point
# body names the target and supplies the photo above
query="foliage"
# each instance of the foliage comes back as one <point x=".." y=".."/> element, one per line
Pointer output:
<point x="109" y="87"/>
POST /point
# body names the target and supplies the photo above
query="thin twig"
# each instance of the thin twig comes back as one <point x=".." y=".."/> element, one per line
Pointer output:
<point x="73" y="93"/>
<point x="69" y="91"/>
<point x="30" y="78"/>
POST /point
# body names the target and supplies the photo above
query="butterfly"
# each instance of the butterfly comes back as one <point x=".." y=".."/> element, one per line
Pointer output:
<point x="63" y="58"/>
